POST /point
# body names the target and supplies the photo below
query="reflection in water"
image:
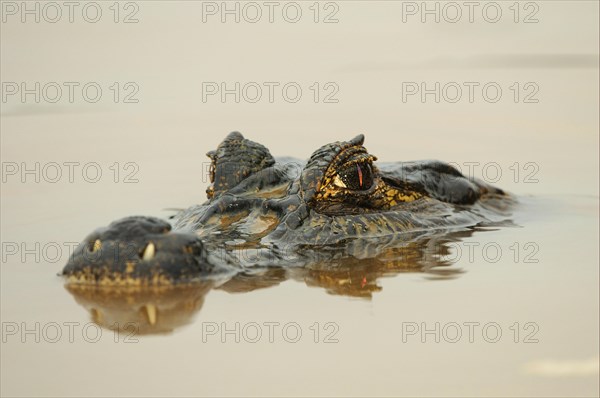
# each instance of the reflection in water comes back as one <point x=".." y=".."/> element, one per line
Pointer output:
<point x="142" y="311"/>
<point x="163" y="309"/>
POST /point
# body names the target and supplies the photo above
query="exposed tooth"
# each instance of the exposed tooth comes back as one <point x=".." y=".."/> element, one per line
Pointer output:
<point x="151" y="313"/>
<point x="96" y="315"/>
<point x="149" y="252"/>
<point x="97" y="245"/>
<point x="338" y="181"/>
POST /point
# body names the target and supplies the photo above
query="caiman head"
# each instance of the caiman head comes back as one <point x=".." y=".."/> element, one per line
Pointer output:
<point x="339" y="195"/>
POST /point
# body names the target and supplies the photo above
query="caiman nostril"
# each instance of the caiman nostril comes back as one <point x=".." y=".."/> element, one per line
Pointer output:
<point x="149" y="251"/>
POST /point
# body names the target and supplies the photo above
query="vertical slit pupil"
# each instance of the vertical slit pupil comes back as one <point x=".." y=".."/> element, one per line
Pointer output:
<point x="358" y="177"/>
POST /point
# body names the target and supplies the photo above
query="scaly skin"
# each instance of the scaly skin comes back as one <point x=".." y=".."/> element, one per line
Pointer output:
<point x="259" y="212"/>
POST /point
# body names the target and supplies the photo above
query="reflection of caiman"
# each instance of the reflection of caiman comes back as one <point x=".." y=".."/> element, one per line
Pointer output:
<point x="341" y="207"/>
<point x="340" y="224"/>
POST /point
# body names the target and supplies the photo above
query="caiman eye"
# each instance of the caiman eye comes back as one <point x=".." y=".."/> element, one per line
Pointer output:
<point x="357" y="177"/>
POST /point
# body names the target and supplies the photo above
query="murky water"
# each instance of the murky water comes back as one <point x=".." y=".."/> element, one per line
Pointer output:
<point x="510" y="310"/>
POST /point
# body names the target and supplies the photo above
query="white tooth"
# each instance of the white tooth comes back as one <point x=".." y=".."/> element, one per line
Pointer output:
<point x="338" y="181"/>
<point x="97" y="316"/>
<point x="149" y="252"/>
<point x="97" y="245"/>
<point x="151" y="313"/>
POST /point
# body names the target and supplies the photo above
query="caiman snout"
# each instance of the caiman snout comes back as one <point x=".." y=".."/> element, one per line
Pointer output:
<point x="138" y="251"/>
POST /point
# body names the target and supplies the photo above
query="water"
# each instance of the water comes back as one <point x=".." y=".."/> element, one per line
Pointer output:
<point x="364" y="327"/>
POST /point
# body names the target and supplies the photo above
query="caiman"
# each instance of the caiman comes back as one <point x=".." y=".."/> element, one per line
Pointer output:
<point x="266" y="212"/>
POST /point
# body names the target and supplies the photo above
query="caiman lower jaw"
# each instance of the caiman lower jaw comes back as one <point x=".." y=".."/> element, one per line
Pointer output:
<point x="104" y="277"/>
